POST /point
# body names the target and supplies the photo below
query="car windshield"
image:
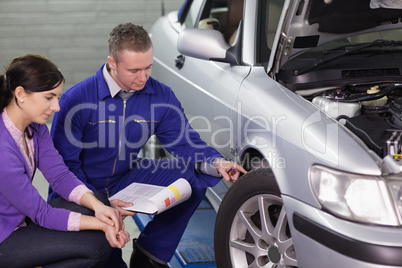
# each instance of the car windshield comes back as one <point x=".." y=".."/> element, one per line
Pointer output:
<point x="384" y="46"/>
<point x="382" y="42"/>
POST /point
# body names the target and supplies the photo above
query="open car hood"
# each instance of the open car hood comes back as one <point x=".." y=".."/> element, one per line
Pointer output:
<point x="329" y="20"/>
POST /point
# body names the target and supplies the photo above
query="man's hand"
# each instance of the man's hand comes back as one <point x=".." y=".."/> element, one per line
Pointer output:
<point x="229" y="170"/>
<point x="118" y="204"/>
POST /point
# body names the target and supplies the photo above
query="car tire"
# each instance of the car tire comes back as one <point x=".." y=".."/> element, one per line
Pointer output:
<point x="239" y="240"/>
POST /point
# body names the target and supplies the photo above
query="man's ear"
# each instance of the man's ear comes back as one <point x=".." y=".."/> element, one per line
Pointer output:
<point x="111" y="62"/>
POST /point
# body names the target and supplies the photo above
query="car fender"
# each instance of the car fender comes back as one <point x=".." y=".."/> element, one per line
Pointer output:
<point x="293" y="134"/>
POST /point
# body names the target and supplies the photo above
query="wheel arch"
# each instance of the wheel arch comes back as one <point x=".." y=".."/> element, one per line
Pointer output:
<point x="252" y="158"/>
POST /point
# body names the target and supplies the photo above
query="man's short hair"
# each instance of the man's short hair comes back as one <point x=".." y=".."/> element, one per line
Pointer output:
<point x="128" y="36"/>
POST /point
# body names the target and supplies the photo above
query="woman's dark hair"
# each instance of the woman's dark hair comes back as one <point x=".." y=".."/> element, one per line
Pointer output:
<point x="32" y="72"/>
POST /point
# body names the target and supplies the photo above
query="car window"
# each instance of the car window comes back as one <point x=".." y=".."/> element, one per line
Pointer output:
<point x="220" y="15"/>
<point x="273" y="10"/>
<point x="395" y="34"/>
<point x="192" y="15"/>
<point x="269" y="16"/>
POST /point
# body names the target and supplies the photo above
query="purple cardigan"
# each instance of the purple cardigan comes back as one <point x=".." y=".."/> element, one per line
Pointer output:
<point x="18" y="197"/>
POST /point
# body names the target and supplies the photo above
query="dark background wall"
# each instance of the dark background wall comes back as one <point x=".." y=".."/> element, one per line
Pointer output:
<point x="72" y="33"/>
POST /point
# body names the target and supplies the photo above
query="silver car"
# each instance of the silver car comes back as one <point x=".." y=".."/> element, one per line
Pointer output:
<point x="306" y="95"/>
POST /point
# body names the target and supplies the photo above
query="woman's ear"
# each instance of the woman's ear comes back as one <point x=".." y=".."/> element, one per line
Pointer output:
<point x="20" y="93"/>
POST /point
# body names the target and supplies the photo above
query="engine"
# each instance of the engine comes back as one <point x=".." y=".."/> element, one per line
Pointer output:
<point x="373" y="113"/>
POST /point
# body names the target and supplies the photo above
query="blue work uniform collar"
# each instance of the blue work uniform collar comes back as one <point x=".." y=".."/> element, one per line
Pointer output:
<point x="111" y="89"/>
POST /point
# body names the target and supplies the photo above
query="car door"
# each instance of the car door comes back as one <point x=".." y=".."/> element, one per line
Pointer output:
<point x="206" y="89"/>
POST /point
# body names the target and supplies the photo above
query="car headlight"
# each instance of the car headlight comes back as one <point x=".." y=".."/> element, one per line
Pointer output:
<point x="354" y="197"/>
<point x="395" y="186"/>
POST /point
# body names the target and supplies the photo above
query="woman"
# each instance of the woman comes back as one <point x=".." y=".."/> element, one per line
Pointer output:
<point x="32" y="232"/>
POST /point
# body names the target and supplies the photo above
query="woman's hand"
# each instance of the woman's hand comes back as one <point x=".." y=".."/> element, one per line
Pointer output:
<point x="116" y="239"/>
<point x="104" y="213"/>
<point x="110" y="216"/>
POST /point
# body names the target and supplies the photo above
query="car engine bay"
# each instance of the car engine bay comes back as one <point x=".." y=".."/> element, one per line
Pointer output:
<point x="357" y="83"/>
<point x="373" y="113"/>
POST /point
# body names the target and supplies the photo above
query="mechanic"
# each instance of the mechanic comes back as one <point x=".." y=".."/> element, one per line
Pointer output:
<point x="104" y="122"/>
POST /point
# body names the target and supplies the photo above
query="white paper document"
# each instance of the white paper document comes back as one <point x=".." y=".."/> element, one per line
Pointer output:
<point x="153" y="199"/>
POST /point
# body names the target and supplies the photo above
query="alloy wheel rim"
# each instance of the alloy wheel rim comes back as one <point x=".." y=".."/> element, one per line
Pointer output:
<point x="260" y="236"/>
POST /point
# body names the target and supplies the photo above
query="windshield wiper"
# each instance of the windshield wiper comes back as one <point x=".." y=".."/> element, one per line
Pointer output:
<point x="338" y="52"/>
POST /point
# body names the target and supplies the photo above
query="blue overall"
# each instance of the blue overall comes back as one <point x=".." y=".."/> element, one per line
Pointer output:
<point x="100" y="137"/>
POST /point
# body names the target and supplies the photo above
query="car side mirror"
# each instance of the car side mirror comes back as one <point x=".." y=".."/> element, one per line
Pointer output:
<point x="205" y="44"/>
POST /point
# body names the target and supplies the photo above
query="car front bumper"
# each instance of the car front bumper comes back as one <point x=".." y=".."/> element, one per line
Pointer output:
<point x="322" y="240"/>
